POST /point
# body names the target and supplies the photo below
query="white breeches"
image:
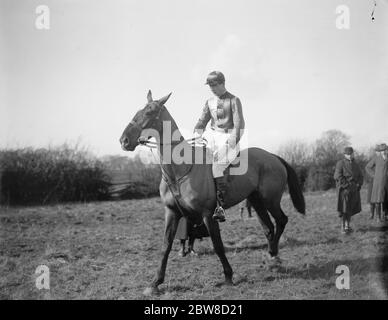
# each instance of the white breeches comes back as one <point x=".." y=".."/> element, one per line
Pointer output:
<point x="223" y="155"/>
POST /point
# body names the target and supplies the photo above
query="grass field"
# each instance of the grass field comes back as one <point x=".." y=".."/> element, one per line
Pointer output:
<point x="110" y="250"/>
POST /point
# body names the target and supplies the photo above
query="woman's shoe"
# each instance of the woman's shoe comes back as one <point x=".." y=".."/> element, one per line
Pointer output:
<point x="181" y="252"/>
<point x="193" y="253"/>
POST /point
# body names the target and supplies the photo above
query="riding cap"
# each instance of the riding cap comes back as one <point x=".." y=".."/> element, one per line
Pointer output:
<point x="215" y="77"/>
<point x="348" y="150"/>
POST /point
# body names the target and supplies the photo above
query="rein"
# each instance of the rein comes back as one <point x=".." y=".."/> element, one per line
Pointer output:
<point x="200" y="142"/>
<point x="168" y="180"/>
<point x="153" y="145"/>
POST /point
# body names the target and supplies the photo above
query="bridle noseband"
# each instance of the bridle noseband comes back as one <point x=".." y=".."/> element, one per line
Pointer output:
<point x="148" y="124"/>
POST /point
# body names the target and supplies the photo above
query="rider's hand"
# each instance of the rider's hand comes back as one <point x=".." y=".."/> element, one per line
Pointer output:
<point x="197" y="135"/>
<point x="231" y="143"/>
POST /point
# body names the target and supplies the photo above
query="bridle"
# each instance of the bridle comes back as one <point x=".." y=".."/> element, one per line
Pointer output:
<point x="153" y="145"/>
<point x="149" y="123"/>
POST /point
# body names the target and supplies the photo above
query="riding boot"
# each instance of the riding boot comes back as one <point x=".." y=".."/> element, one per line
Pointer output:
<point x="221" y="188"/>
<point x="372" y="211"/>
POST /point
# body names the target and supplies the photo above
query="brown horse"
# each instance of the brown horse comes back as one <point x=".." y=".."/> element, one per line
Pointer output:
<point x="188" y="188"/>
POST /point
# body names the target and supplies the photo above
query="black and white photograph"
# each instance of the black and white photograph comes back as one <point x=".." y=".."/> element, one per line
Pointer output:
<point x="213" y="151"/>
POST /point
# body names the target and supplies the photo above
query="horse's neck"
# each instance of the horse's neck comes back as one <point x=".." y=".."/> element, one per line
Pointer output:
<point x="171" y="138"/>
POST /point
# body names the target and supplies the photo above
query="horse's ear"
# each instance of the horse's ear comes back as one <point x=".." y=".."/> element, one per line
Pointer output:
<point x="149" y="96"/>
<point x="163" y="100"/>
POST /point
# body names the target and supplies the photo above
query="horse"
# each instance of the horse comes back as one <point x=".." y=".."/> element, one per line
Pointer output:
<point x="188" y="189"/>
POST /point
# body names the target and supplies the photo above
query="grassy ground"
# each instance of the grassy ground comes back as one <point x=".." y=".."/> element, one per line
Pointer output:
<point x="110" y="250"/>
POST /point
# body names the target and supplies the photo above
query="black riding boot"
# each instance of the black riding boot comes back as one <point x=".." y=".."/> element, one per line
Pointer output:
<point x="372" y="210"/>
<point x="221" y="188"/>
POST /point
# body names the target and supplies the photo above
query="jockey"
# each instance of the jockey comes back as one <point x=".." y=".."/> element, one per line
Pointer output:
<point x="227" y="124"/>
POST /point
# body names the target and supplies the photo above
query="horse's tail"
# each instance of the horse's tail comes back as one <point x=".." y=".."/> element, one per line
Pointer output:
<point x="294" y="188"/>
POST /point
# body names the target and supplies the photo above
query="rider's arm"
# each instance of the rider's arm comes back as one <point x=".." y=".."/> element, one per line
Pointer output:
<point x="203" y="120"/>
<point x="238" y="122"/>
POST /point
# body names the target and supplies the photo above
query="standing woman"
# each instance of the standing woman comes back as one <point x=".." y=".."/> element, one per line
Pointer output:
<point x="349" y="179"/>
<point x="377" y="169"/>
<point x="187" y="231"/>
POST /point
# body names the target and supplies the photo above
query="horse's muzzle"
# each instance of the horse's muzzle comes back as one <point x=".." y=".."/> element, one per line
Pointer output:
<point x="125" y="145"/>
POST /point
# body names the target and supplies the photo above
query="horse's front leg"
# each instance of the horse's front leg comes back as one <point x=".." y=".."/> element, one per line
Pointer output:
<point x="214" y="232"/>
<point x="171" y="225"/>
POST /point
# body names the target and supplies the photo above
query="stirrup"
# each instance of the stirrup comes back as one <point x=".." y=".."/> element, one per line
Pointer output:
<point x="219" y="214"/>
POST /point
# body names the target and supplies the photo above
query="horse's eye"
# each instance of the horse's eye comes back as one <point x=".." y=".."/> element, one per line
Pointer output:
<point x="148" y="110"/>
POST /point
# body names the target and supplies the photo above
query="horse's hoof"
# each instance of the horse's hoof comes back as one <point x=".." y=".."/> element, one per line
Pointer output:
<point x="275" y="261"/>
<point x="150" y="291"/>
<point x="274" y="264"/>
<point x="227" y="282"/>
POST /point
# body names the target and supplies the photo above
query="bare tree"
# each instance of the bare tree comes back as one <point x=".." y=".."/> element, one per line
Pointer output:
<point x="329" y="148"/>
<point x="296" y="152"/>
<point x="327" y="151"/>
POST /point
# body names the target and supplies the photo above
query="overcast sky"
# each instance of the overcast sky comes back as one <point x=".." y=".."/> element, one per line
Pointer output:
<point x="296" y="74"/>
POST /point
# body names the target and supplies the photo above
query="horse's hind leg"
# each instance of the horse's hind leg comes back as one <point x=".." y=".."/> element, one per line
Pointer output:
<point x="281" y="222"/>
<point x="214" y="232"/>
<point x="171" y="225"/>
<point x="265" y="221"/>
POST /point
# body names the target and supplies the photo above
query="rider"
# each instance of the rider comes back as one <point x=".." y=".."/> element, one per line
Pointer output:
<point x="227" y="124"/>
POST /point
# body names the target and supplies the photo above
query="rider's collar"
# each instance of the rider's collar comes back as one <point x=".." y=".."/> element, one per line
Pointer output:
<point x="223" y="95"/>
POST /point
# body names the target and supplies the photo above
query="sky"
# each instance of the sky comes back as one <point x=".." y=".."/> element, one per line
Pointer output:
<point x="296" y="74"/>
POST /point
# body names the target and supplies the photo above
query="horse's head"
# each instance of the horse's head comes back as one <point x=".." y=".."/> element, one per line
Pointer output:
<point x="144" y="124"/>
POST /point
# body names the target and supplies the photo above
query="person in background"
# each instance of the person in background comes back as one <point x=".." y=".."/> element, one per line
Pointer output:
<point x="377" y="169"/>
<point x="349" y="179"/>
<point x="187" y="231"/>
<point x="248" y="205"/>
<point x="369" y="181"/>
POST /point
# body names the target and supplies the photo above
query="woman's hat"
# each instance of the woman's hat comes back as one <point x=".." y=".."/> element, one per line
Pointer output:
<point x="348" y="150"/>
<point x="381" y="147"/>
